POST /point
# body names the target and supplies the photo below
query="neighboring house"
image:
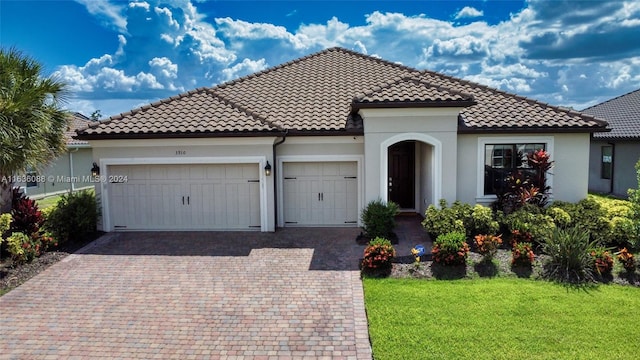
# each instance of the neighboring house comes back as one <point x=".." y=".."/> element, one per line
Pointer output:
<point x="312" y="141"/>
<point x="614" y="154"/>
<point x="69" y="172"/>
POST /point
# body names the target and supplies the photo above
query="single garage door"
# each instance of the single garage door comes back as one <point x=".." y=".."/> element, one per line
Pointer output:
<point x="185" y="197"/>
<point x="320" y="193"/>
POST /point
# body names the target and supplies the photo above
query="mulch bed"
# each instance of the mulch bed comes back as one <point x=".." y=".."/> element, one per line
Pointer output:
<point x="12" y="275"/>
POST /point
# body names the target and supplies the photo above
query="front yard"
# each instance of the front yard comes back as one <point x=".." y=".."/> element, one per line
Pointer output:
<point x="500" y="318"/>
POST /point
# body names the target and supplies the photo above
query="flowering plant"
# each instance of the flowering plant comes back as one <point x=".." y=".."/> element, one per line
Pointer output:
<point x="603" y="261"/>
<point x="522" y="254"/>
<point x="450" y="248"/>
<point x="488" y="244"/>
<point x="627" y="260"/>
<point x="378" y="254"/>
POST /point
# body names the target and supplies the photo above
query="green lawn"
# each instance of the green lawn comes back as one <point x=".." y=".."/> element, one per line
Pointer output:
<point x="501" y="319"/>
<point x="47" y="202"/>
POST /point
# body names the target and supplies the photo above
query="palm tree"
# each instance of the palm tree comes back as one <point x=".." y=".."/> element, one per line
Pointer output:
<point x="32" y="124"/>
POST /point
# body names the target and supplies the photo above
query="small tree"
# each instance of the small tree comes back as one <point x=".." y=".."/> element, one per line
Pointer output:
<point x="32" y="123"/>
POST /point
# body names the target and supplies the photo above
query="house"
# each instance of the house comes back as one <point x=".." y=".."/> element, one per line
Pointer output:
<point x="69" y="172"/>
<point x="312" y="141"/>
<point x="614" y="153"/>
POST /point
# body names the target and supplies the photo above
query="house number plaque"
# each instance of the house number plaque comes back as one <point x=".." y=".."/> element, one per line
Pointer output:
<point x="181" y="152"/>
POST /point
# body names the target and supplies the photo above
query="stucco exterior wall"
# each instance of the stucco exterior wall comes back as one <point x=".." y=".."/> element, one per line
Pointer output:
<point x="60" y="177"/>
<point x="625" y="156"/>
<point x="435" y="128"/>
<point x="568" y="178"/>
<point x="185" y="151"/>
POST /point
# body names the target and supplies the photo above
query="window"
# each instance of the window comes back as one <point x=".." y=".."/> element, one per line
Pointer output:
<point x="501" y="160"/>
<point x="31" y="177"/>
<point x="607" y="162"/>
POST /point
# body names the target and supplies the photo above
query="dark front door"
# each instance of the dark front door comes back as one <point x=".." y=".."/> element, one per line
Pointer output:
<point x="402" y="174"/>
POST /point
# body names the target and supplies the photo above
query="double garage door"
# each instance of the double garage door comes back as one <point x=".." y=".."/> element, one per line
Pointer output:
<point x="185" y="197"/>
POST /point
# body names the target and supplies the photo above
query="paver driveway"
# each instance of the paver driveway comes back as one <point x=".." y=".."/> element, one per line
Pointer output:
<point x="292" y="294"/>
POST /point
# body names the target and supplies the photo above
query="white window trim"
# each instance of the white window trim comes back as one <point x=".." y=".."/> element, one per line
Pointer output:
<point x="482" y="141"/>
<point x="260" y="161"/>
<point x="358" y="159"/>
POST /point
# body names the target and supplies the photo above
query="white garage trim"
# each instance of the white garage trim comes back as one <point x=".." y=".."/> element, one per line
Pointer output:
<point x="260" y="161"/>
<point x="358" y="159"/>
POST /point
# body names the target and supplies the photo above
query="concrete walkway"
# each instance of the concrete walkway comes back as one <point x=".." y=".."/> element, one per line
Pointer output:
<point x="198" y="295"/>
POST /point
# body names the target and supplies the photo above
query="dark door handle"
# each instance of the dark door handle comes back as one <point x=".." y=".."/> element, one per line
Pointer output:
<point x="188" y="198"/>
<point x="322" y="196"/>
<point x="318" y="196"/>
<point x="183" y="200"/>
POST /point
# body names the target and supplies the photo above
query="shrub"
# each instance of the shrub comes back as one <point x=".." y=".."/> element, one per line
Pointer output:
<point x="526" y="187"/>
<point x="530" y="219"/>
<point x="378" y="218"/>
<point x="24" y="248"/>
<point x="522" y="254"/>
<point x="459" y="217"/>
<point x="626" y="259"/>
<point x="5" y="223"/>
<point x="74" y="217"/>
<point x="602" y="260"/>
<point x="488" y="245"/>
<point x="378" y="255"/>
<point x="520" y="237"/>
<point x="26" y="216"/>
<point x="560" y="217"/>
<point x="443" y="220"/>
<point x="569" y="255"/>
<point x="481" y="221"/>
<point x="450" y="248"/>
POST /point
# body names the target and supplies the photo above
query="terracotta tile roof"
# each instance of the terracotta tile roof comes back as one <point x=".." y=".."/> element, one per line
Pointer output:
<point x="501" y="111"/>
<point x="77" y="121"/>
<point x="321" y="93"/>
<point x="409" y="91"/>
<point x="623" y="115"/>
<point x="198" y="112"/>
<point x="314" y="92"/>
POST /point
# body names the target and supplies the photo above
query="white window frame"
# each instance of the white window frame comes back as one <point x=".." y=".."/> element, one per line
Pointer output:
<point x="483" y="141"/>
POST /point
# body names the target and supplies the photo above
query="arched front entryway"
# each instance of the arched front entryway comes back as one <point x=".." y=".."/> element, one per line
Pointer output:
<point x="410" y="171"/>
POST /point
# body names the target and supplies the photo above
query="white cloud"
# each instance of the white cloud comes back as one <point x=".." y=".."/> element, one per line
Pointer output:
<point x="559" y="51"/>
<point x="468" y="12"/>
<point x="247" y="66"/>
<point x="111" y="12"/>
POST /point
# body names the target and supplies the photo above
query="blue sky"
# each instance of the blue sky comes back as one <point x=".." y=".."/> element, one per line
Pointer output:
<point x="117" y="55"/>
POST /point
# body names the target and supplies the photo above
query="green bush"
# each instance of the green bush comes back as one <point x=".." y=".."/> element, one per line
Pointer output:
<point x="530" y="219"/>
<point x="481" y="221"/>
<point x="378" y="255"/>
<point x="522" y="254"/>
<point x="450" y="248"/>
<point x="24" y="248"/>
<point x="74" y="217"/>
<point x="460" y="217"/>
<point x="569" y="252"/>
<point x="611" y="222"/>
<point x="5" y="223"/>
<point x="560" y="217"/>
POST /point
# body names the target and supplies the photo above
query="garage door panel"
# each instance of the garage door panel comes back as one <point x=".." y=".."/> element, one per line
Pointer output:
<point x="323" y="193"/>
<point x="185" y="197"/>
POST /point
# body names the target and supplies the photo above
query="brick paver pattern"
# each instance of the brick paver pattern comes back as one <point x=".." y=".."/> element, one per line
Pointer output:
<point x="194" y="296"/>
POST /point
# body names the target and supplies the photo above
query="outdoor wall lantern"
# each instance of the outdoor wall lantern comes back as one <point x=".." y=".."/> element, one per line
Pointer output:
<point x="95" y="170"/>
<point x="267" y="169"/>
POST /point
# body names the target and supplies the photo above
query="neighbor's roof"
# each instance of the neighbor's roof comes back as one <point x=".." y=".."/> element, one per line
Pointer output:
<point x="623" y="115"/>
<point x="322" y="92"/>
<point x="77" y="121"/>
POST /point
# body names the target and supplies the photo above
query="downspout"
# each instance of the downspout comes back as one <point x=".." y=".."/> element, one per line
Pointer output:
<point x="275" y="181"/>
<point x="73" y="188"/>
<point x="613" y="157"/>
